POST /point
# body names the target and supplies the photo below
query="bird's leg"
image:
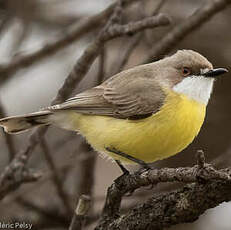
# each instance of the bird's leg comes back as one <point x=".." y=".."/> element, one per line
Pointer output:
<point x="131" y="158"/>
<point x="144" y="166"/>
<point x="125" y="173"/>
<point x="123" y="169"/>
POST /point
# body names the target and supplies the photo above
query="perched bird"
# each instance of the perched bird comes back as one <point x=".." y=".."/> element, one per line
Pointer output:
<point x="141" y="115"/>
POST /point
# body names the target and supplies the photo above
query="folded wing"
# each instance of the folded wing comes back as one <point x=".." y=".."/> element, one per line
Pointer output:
<point x="132" y="97"/>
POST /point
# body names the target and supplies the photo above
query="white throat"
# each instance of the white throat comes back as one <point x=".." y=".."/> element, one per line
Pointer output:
<point x="198" y="88"/>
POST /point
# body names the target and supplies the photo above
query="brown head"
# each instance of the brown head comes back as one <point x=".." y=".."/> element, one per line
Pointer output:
<point x="188" y="72"/>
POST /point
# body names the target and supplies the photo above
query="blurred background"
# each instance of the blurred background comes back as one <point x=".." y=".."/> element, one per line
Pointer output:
<point x="27" y="26"/>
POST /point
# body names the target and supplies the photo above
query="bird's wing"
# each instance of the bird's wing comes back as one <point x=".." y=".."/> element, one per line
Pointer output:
<point x="133" y="98"/>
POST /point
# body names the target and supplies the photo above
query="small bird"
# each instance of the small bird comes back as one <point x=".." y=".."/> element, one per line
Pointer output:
<point x="143" y="114"/>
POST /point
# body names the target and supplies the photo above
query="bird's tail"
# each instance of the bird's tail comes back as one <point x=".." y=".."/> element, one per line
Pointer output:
<point x="17" y="124"/>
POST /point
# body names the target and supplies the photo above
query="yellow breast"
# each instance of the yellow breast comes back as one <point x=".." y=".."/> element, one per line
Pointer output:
<point x="159" y="136"/>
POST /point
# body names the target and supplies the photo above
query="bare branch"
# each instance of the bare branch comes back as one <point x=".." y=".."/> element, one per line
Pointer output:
<point x="136" y="41"/>
<point x="9" y="139"/>
<point x="56" y="176"/>
<point x="16" y="172"/>
<point x="80" y="213"/>
<point x="180" y="31"/>
<point x="132" y="45"/>
<point x="159" y="5"/>
<point x="126" y="183"/>
<point x="83" y="27"/>
<point x="14" y="175"/>
<point x="133" y="27"/>
<point x="101" y="71"/>
<point x="181" y="206"/>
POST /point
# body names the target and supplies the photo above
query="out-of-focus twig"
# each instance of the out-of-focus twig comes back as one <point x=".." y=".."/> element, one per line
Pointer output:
<point x="156" y="10"/>
<point x="84" y="26"/>
<point x="80" y="213"/>
<point x="55" y="176"/>
<point x="180" y="31"/>
<point x="101" y="69"/>
<point x="131" y="47"/>
<point x="16" y="172"/>
<point x="86" y="164"/>
<point x="13" y="176"/>
<point x="5" y="21"/>
<point x="158" y="6"/>
<point x="136" y="41"/>
<point x="9" y="139"/>
<point x="20" y="38"/>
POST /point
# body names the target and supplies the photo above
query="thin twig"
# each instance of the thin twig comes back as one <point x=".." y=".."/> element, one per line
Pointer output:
<point x="180" y="31"/>
<point x="84" y="26"/>
<point x="9" y="139"/>
<point x="156" y="10"/>
<point x="13" y="177"/>
<point x="101" y="69"/>
<point x="5" y="22"/>
<point x="55" y="176"/>
<point x="124" y="60"/>
<point x="133" y="27"/>
<point x="79" y="216"/>
<point x="158" y="6"/>
<point x="136" y="41"/>
<point x="86" y="162"/>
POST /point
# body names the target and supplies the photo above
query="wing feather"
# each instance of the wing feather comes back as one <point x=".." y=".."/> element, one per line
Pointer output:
<point x="119" y="97"/>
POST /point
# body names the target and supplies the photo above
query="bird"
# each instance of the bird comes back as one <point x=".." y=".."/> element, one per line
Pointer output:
<point x="140" y="115"/>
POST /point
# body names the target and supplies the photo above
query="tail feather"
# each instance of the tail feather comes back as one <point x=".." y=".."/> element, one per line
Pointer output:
<point x="17" y="124"/>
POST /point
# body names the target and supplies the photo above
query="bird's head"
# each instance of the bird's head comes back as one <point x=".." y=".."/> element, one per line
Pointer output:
<point x="193" y="74"/>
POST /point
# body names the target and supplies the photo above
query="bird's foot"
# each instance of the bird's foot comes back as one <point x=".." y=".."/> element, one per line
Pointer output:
<point x="144" y="166"/>
<point x="123" y="169"/>
<point x="128" y="157"/>
<point x="143" y="169"/>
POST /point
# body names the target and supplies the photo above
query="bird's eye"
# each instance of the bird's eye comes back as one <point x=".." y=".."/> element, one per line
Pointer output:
<point x="186" y="71"/>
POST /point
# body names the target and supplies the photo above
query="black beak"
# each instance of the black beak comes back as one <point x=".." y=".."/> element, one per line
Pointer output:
<point x="215" y="72"/>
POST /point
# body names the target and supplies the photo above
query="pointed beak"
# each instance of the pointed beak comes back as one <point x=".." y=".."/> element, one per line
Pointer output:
<point x="215" y="72"/>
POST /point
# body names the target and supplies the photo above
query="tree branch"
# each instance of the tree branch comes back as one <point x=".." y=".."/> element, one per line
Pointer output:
<point x="84" y="26"/>
<point x="80" y="213"/>
<point x="14" y="175"/>
<point x="205" y="178"/>
<point x="8" y="138"/>
<point x="56" y="177"/>
<point x="181" y="206"/>
<point x="180" y="31"/>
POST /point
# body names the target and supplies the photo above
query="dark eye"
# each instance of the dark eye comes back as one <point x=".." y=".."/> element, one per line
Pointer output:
<point x="186" y="71"/>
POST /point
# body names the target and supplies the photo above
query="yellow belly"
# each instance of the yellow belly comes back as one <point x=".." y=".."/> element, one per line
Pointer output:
<point x="159" y="136"/>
